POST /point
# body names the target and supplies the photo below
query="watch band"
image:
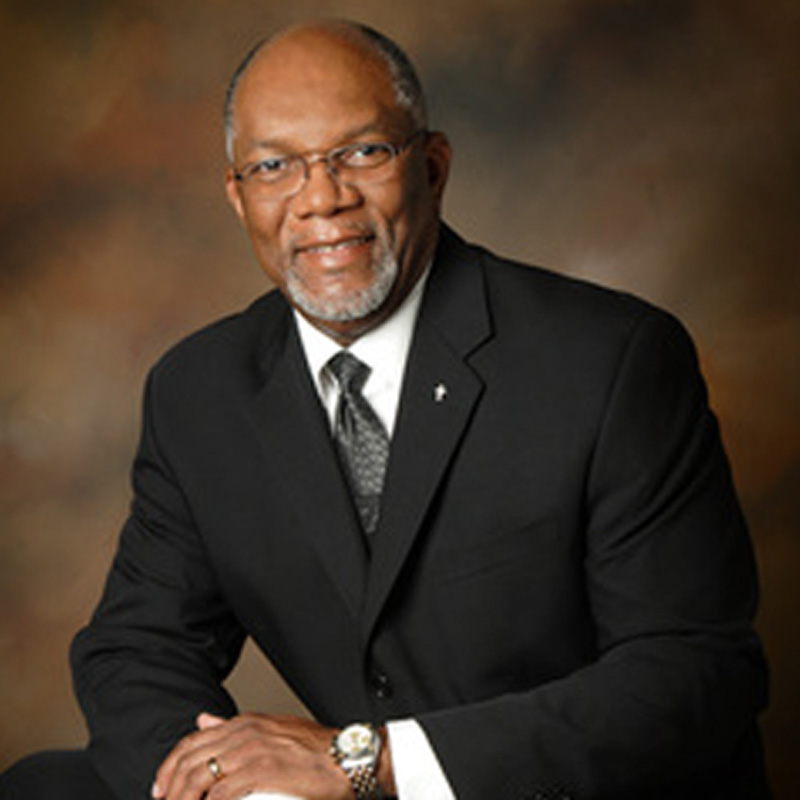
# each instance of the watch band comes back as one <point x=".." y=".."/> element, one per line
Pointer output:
<point x="356" y="749"/>
<point x="365" y="782"/>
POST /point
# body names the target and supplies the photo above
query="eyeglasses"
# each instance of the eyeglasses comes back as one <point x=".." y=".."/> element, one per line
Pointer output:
<point x="359" y="163"/>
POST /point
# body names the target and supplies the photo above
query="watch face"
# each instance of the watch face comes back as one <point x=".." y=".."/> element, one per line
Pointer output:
<point x="356" y="741"/>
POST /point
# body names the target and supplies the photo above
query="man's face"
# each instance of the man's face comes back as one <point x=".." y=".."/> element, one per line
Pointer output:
<point x="344" y="254"/>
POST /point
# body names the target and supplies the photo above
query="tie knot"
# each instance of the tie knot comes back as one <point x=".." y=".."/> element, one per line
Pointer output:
<point x="350" y="372"/>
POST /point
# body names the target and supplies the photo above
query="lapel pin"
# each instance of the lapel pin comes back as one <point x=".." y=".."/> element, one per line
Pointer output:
<point x="439" y="392"/>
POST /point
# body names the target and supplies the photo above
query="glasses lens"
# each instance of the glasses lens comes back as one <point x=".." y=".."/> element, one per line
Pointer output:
<point x="362" y="156"/>
<point x="363" y="162"/>
<point x="278" y="175"/>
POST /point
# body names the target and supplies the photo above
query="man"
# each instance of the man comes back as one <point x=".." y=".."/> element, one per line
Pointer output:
<point x="547" y="591"/>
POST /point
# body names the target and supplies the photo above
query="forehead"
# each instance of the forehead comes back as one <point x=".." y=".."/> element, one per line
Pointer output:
<point x="312" y="87"/>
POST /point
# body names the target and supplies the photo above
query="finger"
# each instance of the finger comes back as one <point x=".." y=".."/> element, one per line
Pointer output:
<point x="252" y="779"/>
<point x="206" y="721"/>
<point x="164" y="774"/>
<point x="193" y="749"/>
<point x="216" y="770"/>
<point x="166" y="771"/>
<point x="196" y="776"/>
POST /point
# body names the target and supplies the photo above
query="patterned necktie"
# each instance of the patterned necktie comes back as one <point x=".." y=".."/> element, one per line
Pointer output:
<point x="360" y="436"/>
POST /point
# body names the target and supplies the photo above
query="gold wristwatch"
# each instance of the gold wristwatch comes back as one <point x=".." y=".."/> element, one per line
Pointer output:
<point x="356" y="750"/>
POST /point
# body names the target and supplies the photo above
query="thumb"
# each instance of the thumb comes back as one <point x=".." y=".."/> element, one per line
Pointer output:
<point x="206" y="721"/>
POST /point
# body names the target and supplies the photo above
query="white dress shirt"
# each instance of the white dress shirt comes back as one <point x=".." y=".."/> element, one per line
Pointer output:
<point x="417" y="772"/>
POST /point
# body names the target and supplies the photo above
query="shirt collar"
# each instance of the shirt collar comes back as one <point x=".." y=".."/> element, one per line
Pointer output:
<point x="384" y="348"/>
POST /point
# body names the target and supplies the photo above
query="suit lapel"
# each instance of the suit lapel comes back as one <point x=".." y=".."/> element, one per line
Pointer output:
<point x="440" y="392"/>
<point x="296" y="440"/>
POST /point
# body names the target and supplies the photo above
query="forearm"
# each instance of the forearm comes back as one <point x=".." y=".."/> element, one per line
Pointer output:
<point x="648" y="713"/>
<point x="153" y="657"/>
<point x="138" y="706"/>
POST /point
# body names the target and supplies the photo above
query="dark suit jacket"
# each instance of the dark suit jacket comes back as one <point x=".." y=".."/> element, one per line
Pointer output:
<point x="561" y="586"/>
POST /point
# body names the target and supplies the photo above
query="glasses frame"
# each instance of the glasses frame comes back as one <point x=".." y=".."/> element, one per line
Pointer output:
<point x="245" y="175"/>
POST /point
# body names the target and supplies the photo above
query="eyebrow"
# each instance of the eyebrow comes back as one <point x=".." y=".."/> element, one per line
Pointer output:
<point x="352" y="134"/>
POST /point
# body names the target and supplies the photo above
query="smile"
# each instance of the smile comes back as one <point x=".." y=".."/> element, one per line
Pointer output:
<point x="336" y="246"/>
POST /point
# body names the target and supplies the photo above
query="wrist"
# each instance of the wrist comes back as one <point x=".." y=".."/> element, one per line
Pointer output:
<point x="385" y="770"/>
<point x="357" y="750"/>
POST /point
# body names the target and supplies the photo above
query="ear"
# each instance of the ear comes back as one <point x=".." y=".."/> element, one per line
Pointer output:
<point x="438" y="154"/>
<point x="234" y="194"/>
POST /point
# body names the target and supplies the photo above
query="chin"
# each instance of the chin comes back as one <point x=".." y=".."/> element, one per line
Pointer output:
<point x="343" y="306"/>
<point x="339" y="310"/>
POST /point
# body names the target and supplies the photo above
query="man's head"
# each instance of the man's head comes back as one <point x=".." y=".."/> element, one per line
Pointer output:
<point x="346" y="238"/>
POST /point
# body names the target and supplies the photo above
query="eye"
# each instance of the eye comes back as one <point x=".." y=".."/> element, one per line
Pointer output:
<point x="270" y="169"/>
<point x="364" y="155"/>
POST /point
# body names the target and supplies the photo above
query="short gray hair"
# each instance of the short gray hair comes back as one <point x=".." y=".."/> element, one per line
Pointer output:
<point x="407" y="86"/>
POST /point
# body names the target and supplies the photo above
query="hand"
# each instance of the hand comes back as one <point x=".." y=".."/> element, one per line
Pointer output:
<point x="256" y="753"/>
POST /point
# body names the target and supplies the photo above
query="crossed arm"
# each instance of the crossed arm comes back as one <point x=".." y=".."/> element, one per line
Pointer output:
<point x="679" y="662"/>
<point x="256" y="752"/>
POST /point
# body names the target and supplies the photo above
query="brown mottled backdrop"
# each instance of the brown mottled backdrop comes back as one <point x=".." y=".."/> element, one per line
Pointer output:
<point x="652" y="145"/>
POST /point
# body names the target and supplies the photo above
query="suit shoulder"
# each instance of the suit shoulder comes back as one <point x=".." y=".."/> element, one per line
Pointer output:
<point x="567" y="303"/>
<point x="226" y="344"/>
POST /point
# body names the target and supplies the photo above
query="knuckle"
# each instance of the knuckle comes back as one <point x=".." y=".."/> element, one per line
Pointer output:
<point x="198" y="776"/>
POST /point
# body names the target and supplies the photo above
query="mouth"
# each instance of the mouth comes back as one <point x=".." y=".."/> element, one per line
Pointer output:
<point x="322" y="248"/>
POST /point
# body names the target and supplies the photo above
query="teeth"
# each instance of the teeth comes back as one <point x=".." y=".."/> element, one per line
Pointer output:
<point x="330" y="248"/>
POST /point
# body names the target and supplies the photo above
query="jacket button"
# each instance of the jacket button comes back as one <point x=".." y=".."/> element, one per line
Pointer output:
<point x="380" y="685"/>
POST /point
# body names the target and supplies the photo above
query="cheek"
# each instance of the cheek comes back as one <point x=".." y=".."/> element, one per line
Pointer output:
<point x="417" y="197"/>
<point x="411" y="217"/>
<point x="395" y="210"/>
<point x="267" y="234"/>
<point x="262" y="223"/>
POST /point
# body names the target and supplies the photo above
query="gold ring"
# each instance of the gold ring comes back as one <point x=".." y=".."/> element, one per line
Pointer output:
<point x="214" y="768"/>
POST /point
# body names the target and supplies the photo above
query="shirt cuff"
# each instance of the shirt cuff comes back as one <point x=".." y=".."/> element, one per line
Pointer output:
<point x="270" y="796"/>
<point x="418" y="775"/>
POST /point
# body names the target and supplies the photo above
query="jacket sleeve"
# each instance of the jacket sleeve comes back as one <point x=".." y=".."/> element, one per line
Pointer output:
<point x="679" y="676"/>
<point x="162" y="640"/>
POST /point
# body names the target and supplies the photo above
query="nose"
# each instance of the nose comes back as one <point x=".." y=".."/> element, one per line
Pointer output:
<point x="322" y="193"/>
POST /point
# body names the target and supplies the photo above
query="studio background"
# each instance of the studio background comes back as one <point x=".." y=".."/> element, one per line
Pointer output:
<point x="651" y="145"/>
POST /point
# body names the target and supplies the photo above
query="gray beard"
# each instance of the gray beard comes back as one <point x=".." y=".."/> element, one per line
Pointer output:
<point x="345" y="307"/>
